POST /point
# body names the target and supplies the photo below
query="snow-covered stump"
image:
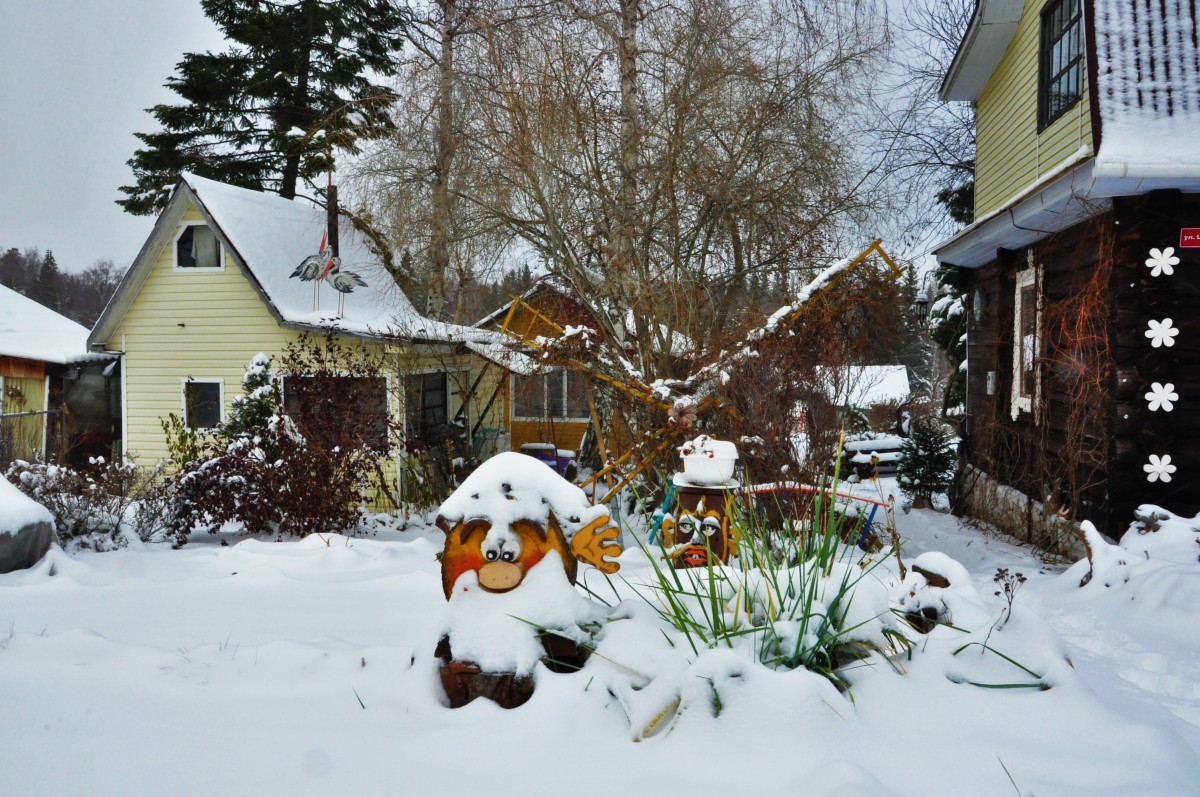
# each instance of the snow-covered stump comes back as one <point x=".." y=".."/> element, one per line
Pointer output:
<point x="26" y="529"/>
<point x="699" y="525"/>
<point x="515" y="534"/>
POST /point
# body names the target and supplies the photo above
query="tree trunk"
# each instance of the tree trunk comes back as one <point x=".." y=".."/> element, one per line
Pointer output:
<point x="444" y="148"/>
<point x="626" y="265"/>
<point x="292" y="117"/>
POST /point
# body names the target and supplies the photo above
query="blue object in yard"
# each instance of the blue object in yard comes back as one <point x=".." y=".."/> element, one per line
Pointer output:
<point x="544" y="452"/>
<point x="864" y="539"/>
<point x="656" y="519"/>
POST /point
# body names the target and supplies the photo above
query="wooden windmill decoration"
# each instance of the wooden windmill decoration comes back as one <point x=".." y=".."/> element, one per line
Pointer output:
<point x="682" y="412"/>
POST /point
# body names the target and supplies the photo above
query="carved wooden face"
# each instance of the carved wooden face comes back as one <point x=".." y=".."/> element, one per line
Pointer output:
<point x="501" y="556"/>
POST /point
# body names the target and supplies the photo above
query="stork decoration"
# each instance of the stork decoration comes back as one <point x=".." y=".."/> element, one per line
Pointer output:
<point x="326" y="266"/>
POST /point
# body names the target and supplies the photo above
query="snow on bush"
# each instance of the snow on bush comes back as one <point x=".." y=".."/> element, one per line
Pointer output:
<point x="103" y="506"/>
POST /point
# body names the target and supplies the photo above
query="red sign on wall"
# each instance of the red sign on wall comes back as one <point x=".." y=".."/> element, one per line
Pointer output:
<point x="1189" y="238"/>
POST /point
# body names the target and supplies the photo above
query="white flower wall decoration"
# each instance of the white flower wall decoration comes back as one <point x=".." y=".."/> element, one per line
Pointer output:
<point x="1162" y="261"/>
<point x="1162" y="333"/>
<point x="1162" y="396"/>
<point x="1159" y="468"/>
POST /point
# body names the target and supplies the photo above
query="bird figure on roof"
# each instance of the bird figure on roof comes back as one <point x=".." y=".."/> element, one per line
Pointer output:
<point x="311" y="266"/>
<point x="341" y="281"/>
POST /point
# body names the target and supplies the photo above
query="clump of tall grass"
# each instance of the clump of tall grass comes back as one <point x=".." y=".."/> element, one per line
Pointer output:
<point x="799" y="594"/>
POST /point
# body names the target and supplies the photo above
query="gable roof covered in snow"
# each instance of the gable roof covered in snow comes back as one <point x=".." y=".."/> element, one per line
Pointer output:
<point x="267" y="236"/>
<point x="33" y="332"/>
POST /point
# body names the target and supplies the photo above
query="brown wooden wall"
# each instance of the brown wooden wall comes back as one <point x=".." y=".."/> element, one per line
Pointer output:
<point x="1059" y="453"/>
<point x="547" y="311"/>
<point x="1095" y="431"/>
<point x="1143" y="223"/>
<point x="21" y="368"/>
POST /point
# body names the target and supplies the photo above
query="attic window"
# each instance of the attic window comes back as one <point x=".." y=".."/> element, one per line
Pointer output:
<point x="553" y="394"/>
<point x="1060" y="70"/>
<point x="197" y="247"/>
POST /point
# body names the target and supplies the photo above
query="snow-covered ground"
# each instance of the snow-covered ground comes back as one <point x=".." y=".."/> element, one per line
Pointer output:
<point x="305" y="667"/>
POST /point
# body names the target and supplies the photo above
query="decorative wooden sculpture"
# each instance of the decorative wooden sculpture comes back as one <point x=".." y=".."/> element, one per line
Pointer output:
<point x="502" y="561"/>
<point x="700" y="524"/>
<point x="513" y="516"/>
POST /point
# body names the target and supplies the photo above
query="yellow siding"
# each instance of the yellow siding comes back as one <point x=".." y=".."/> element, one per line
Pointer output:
<point x="23" y="435"/>
<point x="201" y="325"/>
<point x="1010" y="154"/>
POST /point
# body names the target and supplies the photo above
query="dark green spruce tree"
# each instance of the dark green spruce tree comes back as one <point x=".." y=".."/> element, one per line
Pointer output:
<point x="46" y="288"/>
<point x="927" y="459"/>
<point x="250" y="114"/>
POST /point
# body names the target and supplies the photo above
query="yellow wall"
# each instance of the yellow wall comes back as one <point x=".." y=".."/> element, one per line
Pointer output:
<point x="1010" y="154"/>
<point x="24" y="436"/>
<point x="208" y="325"/>
<point x="187" y="324"/>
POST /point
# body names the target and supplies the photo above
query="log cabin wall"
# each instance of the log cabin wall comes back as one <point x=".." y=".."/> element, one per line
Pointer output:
<point x="1056" y="453"/>
<point x="1147" y="297"/>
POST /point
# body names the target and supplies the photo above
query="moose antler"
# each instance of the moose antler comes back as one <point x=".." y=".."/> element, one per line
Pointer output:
<point x="595" y="541"/>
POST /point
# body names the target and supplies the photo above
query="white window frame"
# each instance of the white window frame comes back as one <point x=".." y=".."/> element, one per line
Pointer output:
<point x="1026" y="278"/>
<point x="545" y="403"/>
<point x="195" y="269"/>
<point x="183" y="383"/>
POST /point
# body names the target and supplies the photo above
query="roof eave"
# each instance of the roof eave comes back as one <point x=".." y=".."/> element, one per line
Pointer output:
<point x="988" y="35"/>
<point x="1063" y="197"/>
<point x="135" y="276"/>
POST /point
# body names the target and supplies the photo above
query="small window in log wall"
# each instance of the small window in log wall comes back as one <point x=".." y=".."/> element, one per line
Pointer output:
<point x="1027" y="343"/>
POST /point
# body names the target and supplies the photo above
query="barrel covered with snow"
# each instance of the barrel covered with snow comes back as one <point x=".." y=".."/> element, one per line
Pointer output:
<point x="26" y="529"/>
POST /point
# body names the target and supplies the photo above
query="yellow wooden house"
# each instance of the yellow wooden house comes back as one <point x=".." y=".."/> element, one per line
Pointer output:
<point x="1082" y="304"/>
<point x="216" y="283"/>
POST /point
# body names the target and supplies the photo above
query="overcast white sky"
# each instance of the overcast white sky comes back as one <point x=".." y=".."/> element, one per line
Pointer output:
<point x="75" y="78"/>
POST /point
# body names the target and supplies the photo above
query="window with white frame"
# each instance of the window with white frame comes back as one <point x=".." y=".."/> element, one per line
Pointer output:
<point x="1027" y="341"/>
<point x="555" y="393"/>
<point x="202" y="403"/>
<point x="197" y="248"/>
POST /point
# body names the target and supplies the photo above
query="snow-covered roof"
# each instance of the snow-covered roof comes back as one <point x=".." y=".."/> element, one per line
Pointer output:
<point x="1147" y="88"/>
<point x="35" y="332"/>
<point x="866" y="385"/>
<point x="269" y="236"/>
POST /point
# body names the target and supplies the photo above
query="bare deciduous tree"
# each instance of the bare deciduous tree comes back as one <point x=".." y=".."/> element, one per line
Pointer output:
<point x="656" y="157"/>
